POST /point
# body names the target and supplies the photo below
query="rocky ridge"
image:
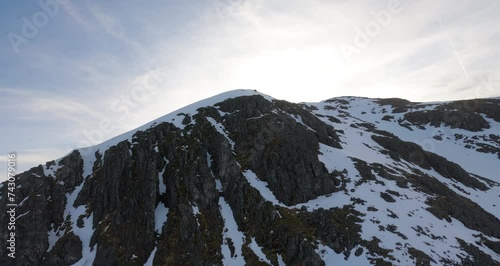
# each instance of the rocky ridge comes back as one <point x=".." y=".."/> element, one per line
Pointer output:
<point x="245" y="179"/>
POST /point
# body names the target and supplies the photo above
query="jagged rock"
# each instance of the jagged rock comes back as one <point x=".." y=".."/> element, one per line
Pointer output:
<point x="300" y="154"/>
<point x="387" y="197"/>
<point x="422" y="258"/>
<point x="476" y="257"/>
<point x="466" y="211"/>
<point x="66" y="251"/>
<point x="454" y="119"/>
<point x="279" y="150"/>
<point x="415" y="154"/>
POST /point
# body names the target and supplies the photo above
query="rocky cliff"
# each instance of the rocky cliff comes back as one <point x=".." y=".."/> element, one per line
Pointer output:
<point x="245" y="179"/>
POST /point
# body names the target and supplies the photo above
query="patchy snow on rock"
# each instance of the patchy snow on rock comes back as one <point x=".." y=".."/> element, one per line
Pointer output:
<point x="231" y="233"/>
<point x="161" y="186"/>
<point x="220" y="128"/>
<point x="262" y="187"/>
<point x="53" y="236"/>
<point x="84" y="233"/>
<point x="298" y="119"/>
<point x="161" y="214"/>
<point x="52" y="170"/>
<point x="172" y="117"/>
<point x="196" y="210"/>
<point x="280" y="261"/>
<point x="258" y="251"/>
<point x="397" y="216"/>
<point x="218" y="185"/>
<point x="149" y="262"/>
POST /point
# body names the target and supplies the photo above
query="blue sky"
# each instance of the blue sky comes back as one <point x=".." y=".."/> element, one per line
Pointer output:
<point x="111" y="66"/>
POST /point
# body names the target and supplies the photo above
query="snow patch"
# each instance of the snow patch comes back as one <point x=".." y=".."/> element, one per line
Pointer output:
<point x="220" y="128"/>
<point x="258" y="251"/>
<point x="232" y="232"/>
<point x="149" y="262"/>
<point x="161" y="214"/>
<point x="262" y="187"/>
<point x="280" y="261"/>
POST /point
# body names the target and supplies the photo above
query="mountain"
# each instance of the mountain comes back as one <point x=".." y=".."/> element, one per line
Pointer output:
<point x="245" y="179"/>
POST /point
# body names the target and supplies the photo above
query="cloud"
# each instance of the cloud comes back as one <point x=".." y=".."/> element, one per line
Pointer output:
<point x="14" y="92"/>
<point x="289" y="49"/>
<point x="61" y="106"/>
<point x="77" y="16"/>
<point x="46" y="106"/>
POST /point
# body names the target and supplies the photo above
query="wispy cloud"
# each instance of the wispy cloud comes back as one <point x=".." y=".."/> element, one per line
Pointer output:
<point x="76" y="70"/>
<point x="76" y="15"/>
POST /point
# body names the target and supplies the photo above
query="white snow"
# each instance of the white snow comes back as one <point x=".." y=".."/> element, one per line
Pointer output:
<point x="438" y="239"/>
<point x="232" y="232"/>
<point x="484" y="164"/>
<point x="331" y="258"/>
<point x="161" y="214"/>
<point x="298" y="119"/>
<point x="149" y="262"/>
<point x="84" y="233"/>
<point x="172" y="117"/>
<point x="161" y="211"/>
<point x="422" y="230"/>
<point x="196" y="210"/>
<point x="262" y="187"/>
<point x="22" y="202"/>
<point x="52" y="169"/>
<point x="280" y="261"/>
<point x="21" y="215"/>
<point x="209" y="161"/>
<point x="53" y="236"/>
<point x="220" y="128"/>
<point x="161" y="186"/>
<point x="218" y="185"/>
<point x="258" y="251"/>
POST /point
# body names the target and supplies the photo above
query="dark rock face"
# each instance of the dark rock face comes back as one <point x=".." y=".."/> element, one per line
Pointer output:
<point x="43" y="203"/>
<point x="488" y="107"/>
<point x="413" y="153"/>
<point x="398" y="105"/>
<point x="455" y="119"/>
<point x="387" y="197"/>
<point x="422" y="258"/>
<point x="66" y="251"/>
<point x="123" y="197"/>
<point x="279" y="150"/>
<point x="466" y="211"/>
<point x="187" y="170"/>
<point x="477" y="256"/>
<point x="466" y="114"/>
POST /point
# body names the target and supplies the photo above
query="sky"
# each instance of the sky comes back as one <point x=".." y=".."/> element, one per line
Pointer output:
<point x="76" y="73"/>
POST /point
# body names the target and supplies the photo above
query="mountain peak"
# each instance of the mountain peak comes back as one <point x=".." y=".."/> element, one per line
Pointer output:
<point x="242" y="178"/>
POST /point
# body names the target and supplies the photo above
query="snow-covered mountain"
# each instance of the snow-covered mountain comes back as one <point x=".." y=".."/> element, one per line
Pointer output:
<point x="245" y="179"/>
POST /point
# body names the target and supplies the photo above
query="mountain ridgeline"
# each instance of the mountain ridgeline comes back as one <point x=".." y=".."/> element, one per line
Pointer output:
<point x="244" y="179"/>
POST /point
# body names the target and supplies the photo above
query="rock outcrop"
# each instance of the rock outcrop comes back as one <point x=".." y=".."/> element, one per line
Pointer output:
<point x="249" y="179"/>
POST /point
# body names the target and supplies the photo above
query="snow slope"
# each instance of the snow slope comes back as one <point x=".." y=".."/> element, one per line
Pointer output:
<point x="402" y="223"/>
